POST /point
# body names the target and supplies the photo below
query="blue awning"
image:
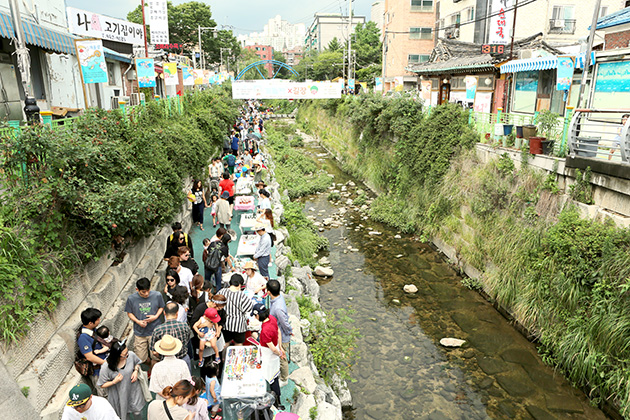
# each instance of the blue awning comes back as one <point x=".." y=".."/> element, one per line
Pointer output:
<point x="115" y="55"/>
<point x="538" y="63"/>
<point x="35" y="34"/>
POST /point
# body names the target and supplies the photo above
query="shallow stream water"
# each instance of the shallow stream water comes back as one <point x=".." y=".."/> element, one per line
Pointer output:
<point x="403" y="372"/>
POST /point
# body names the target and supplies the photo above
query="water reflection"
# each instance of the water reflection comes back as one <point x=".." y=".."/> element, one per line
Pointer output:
<point x="403" y="372"/>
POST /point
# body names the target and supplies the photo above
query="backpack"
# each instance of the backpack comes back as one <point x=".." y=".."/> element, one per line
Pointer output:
<point x="231" y="160"/>
<point x="272" y="236"/>
<point x="213" y="259"/>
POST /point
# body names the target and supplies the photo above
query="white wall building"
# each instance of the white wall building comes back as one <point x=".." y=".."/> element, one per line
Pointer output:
<point x="327" y="26"/>
<point x="278" y="33"/>
<point x="377" y="14"/>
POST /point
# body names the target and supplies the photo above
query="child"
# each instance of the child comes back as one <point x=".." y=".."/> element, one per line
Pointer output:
<point x="196" y="404"/>
<point x="208" y="330"/>
<point x="103" y="336"/>
<point x="213" y="210"/>
<point x="213" y="389"/>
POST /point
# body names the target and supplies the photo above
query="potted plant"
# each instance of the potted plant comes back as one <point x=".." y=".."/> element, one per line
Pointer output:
<point x="547" y="123"/>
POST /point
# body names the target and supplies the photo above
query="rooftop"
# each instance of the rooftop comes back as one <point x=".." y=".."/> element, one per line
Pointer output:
<point x="614" y="19"/>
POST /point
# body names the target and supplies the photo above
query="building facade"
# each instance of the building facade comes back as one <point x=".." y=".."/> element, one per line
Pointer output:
<point x="264" y="52"/>
<point x="377" y="14"/>
<point x="408" y="39"/>
<point x="327" y="26"/>
<point x="293" y="56"/>
<point x="277" y="33"/>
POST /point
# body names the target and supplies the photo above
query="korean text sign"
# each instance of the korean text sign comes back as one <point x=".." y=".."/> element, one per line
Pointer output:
<point x="93" y="25"/>
<point x="92" y="60"/>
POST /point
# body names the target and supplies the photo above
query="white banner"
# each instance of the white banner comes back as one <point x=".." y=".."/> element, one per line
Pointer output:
<point x="93" y="25"/>
<point x="157" y="19"/>
<point x="501" y="22"/>
<point x="276" y="89"/>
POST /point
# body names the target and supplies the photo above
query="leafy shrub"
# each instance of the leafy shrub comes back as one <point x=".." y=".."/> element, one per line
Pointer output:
<point x="582" y="190"/>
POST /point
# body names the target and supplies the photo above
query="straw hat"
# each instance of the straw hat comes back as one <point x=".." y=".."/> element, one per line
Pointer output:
<point x="259" y="226"/>
<point x="251" y="265"/>
<point x="168" y="345"/>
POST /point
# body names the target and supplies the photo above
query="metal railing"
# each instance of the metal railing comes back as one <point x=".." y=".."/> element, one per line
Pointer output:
<point x="600" y="134"/>
<point x="562" y="26"/>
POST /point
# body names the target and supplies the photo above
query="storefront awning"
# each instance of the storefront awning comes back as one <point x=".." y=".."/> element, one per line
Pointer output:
<point x="115" y="55"/>
<point x="538" y="63"/>
<point x="38" y="35"/>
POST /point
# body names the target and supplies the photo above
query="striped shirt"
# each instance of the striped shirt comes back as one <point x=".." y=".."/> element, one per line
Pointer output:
<point x="237" y="310"/>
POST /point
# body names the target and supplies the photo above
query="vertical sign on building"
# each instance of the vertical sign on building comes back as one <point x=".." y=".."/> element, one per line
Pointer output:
<point x="158" y="21"/>
<point x="501" y="22"/>
<point x="564" y="72"/>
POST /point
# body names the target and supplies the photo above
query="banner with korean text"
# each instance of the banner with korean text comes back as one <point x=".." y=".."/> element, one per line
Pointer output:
<point x="145" y="72"/>
<point x="277" y="89"/>
<point x="91" y="60"/>
<point x="158" y="21"/>
<point x="93" y="25"/>
<point x="501" y="22"/>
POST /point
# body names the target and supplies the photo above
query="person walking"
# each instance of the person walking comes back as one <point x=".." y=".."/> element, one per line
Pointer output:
<point x="87" y="344"/>
<point x="278" y="309"/>
<point x="171" y="369"/>
<point x="119" y="375"/>
<point x="144" y="309"/>
<point x="199" y="204"/>
<point x="224" y="211"/>
<point x="171" y="407"/>
<point x="262" y="255"/>
<point x="82" y="405"/>
<point x="237" y="309"/>
<point x="173" y="327"/>
<point x="271" y="351"/>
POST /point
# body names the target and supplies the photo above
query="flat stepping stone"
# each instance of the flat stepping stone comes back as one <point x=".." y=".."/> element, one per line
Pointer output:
<point x="516" y="386"/>
<point x="539" y="414"/>
<point x="563" y="403"/>
<point x="520" y="356"/>
<point x="492" y="366"/>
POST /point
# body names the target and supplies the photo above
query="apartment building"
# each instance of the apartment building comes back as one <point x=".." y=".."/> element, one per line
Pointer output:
<point x="408" y="38"/>
<point x="264" y="52"/>
<point x="562" y="23"/>
<point x="377" y="14"/>
<point x="327" y="26"/>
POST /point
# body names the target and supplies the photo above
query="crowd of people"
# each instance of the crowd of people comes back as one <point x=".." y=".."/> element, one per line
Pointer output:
<point x="190" y="322"/>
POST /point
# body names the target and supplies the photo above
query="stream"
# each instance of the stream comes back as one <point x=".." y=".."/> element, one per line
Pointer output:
<point x="403" y="372"/>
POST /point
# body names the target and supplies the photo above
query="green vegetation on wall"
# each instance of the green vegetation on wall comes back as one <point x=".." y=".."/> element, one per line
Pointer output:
<point x="565" y="278"/>
<point x="75" y="191"/>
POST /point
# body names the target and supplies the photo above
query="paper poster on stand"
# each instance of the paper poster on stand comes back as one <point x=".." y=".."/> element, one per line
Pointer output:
<point x="91" y="60"/>
<point x="351" y="84"/>
<point x="564" y="73"/>
<point x="378" y="84"/>
<point x="145" y="71"/>
<point x="188" y="76"/>
<point x="471" y="87"/>
<point x="483" y="102"/>
<point x="426" y="90"/>
<point x="198" y="76"/>
<point x="170" y="74"/>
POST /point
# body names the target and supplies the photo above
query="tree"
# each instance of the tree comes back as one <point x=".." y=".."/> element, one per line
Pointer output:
<point x="334" y="45"/>
<point x="183" y="22"/>
<point x="369" y="50"/>
<point x="283" y="73"/>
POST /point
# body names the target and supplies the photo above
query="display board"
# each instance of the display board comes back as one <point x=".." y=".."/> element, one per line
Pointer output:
<point x="145" y="69"/>
<point x="242" y="373"/>
<point x="282" y="89"/>
<point x="612" y="86"/>
<point x="91" y="60"/>
<point x="93" y="25"/>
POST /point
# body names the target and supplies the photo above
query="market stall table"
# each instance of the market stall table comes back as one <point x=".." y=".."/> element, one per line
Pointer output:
<point x="244" y="186"/>
<point x="247" y="223"/>
<point x="244" y="203"/>
<point x="247" y="244"/>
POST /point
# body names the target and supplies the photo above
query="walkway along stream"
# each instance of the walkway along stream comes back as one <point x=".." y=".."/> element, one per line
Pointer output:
<point x="403" y="371"/>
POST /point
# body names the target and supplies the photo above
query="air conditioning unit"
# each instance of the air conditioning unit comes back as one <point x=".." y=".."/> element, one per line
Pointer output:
<point x="451" y="33"/>
<point x="525" y="54"/>
<point x="135" y="99"/>
<point x="557" y="23"/>
<point x="114" y="102"/>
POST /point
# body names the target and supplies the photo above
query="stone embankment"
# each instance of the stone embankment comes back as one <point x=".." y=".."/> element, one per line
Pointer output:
<point x="329" y="400"/>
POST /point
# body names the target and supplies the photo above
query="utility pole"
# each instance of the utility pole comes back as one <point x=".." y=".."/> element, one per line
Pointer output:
<point x="200" y="49"/>
<point x="144" y="30"/>
<point x="23" y="60"/>
<point x="589" y="48"/>
<point x="350" y="75"/>
<point x="513" y="30"/>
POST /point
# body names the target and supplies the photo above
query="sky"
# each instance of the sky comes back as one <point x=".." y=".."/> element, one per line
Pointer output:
<point x="244" y="15"/>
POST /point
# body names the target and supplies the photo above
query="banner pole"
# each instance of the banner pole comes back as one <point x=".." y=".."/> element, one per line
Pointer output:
<point x="81" y="74"/>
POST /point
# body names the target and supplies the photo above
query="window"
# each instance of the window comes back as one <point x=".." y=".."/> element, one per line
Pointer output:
<point x="469" y="14"/>
<point x="421" y="5"/>
<point x="455" y="19"/>
<point x="562" y="20"/>
<point x="603" y="11"/>
<point x="420" y="33"/>
<point x="417" y="58"/>
<point x="525" y="88"/>
<point x="111" y="73"/>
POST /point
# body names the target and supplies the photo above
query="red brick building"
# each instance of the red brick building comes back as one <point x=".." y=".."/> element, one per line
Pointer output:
<point x="264" y="52"/>
<point x="616" y="29"/>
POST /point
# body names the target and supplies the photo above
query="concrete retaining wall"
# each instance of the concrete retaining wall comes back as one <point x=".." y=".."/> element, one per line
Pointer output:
<point x="43" y="360"/>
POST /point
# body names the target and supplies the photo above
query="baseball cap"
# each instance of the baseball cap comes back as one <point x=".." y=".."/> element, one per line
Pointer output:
<point x="79" y="395"/>
<point x="258" y="308"/>
<point x="212" y="315"/>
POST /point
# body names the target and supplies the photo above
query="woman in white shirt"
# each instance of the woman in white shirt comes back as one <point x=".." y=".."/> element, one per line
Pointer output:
<point x="266" y="218"/>
<point x="264" y="202"/>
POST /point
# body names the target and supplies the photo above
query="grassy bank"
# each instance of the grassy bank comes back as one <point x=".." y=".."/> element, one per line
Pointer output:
<point x="74" y="192"/>
<point x="564" y="278"/>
